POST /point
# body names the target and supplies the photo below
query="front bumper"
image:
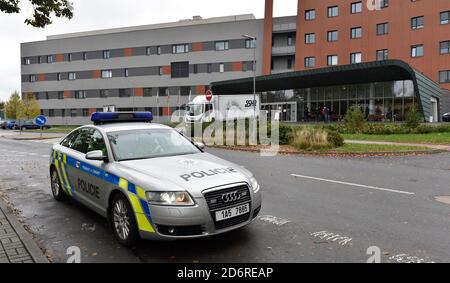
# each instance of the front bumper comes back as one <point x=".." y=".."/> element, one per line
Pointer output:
<point x="171" y="223"/>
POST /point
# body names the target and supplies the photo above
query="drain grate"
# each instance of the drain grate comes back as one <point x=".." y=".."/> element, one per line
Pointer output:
<point x="443" y="199"/>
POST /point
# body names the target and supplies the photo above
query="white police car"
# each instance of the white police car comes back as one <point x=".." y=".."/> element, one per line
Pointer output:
<point x="150" y="181"/>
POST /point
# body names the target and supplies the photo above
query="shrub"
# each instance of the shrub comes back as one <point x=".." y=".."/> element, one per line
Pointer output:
<point x="413" y="119"/>
<point x="355" y="120"/>
<point x="315" y="138"/>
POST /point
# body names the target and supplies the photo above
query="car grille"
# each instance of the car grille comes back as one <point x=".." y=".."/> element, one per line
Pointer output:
<point x="215" y="203"/>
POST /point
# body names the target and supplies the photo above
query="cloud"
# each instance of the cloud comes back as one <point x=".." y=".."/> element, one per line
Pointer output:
<point x="102" y="14"/>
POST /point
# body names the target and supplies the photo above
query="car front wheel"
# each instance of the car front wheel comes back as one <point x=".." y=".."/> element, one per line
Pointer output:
<point x="57" y="191"/>
<point x="123" y="221"/>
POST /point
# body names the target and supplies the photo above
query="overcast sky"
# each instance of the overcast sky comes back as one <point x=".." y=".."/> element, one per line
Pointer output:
<point x="101" y="14"/>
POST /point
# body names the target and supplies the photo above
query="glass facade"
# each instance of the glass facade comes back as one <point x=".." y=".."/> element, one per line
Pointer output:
<point x="380" y="102"/>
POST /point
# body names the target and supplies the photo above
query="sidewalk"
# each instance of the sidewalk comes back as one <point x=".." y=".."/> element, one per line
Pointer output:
<point x="433" y="146"/>
<point x="16" y="244"/>
<point x="15" y="135"/>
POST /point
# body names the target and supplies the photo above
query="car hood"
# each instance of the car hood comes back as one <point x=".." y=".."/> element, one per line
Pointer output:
<point x="194" y="173"/>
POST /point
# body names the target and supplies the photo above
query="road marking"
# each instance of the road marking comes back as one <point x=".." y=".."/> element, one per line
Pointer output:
<point x="332" y="238"/>
<point x="353" y="184"/>
<point x="45" y="156"/>
<point x="274" y="220"/>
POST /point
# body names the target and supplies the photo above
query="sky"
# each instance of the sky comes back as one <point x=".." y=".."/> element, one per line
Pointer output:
<point x="101" y="14"/>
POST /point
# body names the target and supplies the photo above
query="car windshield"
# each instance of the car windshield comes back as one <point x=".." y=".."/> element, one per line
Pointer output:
<point x="151" y="143"/>
<point x="195" y="109"/>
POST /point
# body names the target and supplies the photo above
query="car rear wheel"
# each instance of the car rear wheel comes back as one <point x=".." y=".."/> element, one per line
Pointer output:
<point x="123" y="222"/>
<point x="57" y="191"/>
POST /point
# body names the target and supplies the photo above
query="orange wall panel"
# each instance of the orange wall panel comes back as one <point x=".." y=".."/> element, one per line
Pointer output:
<point x="128" y="52"/>
<point x="236" y="66"/>
<point x="267" y="40"/>
<point x="166" y="70"/>
<point x="59" y="58"/>
<point x="197" y="46"/>
<point x="41" y="77"/>
<point x="200" y="89"/>
<point x="96" y="74"/>
<point x="139" y="92"/>
<point x="67" y="94"/>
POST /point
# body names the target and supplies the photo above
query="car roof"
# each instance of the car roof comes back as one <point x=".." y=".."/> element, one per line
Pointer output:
<point x="116" y="127"/>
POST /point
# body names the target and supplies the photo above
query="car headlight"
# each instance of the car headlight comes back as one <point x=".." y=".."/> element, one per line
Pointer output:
<point x="170" y="198"/>
<point x="255" y="185"/>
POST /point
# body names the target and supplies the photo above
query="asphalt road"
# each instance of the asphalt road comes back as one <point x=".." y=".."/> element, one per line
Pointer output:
<point x="315" y="209"/>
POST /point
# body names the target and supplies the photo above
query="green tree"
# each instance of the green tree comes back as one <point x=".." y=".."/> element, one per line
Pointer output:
<point x="29" y="108"/>
<point x="355" y="120"/>
<point x="42" y="10"/>
<point x="13" y="106"/>
<point x="413" y="118"/>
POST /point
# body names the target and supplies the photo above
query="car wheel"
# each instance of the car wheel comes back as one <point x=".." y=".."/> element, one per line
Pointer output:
<point x="123" y="221"/>
<point x="57" y="191"/>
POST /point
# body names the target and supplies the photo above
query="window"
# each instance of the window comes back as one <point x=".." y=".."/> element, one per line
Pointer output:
<point x="80" y="94"/>
<point x="333" y="11"/>
<point x="356" y="33"/>
<point x="417" y="50"/>
<point x="290" y="40"/>
<point x="382" y="55"/>
<point x="147" y="92"/>
<point x="310" y="15"/>
<point x="50" y="59"/>
<point x="27" y="61"/>
<point x="445" y="18"/>
<point x="332" y="35"/>
<point x="73" y="112"/>
<point x="158" y="50"/>
<point x="310" y="38"/>
<point x="51" y="112"/>
<point x="384" y="4"/>
<point x="125" y="92"/>
<point x="355" y="58"/>
<point x="382" y="28"/>
<point x="60" y="95"/>
<point x="72" y="76"/>
<point x="58" y="76"/>
<point x="180" y="69"/>
<point x="148" y="51"/>
<point x="104" y="93"/>
<point x="185" y="90"/>
<point x="163" y="91"/>
<point x="39" y="59"/>
<point x="310" y="62"/>
<point x="80" y="142"/>
<point x="250" y="43"/>
<point x="95" y="141"/>
<point x="332" y="60"/>
<point x="85" y="113"/>
<point x="47" y="96"/>
<point x="221" y="67"/>
<point x="445" y="47"/>
<point x="444" y="77"/>
<point x="160" y="71"/>
<point x="209" y="68"/>
<point x="85" y="56"/>
<point x="290" y="63"/>
<point x="195" y="68"/>
<point x="356" y="8"/>
<point x="221" y="45"/>
<point x="126" y="73"/>
<point x="180" y="48"/>
<point x="106" y="74"/>
<point x="32" y="78"/>
<point x="69" y="57"/>
<point x="417" y="22"/>
<point x="106" y="54"/>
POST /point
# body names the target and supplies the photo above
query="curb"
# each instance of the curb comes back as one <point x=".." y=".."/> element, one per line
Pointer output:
<point x="29" y="139"/>
<point x="35" y="252"/>
<point x="340" y="154"/>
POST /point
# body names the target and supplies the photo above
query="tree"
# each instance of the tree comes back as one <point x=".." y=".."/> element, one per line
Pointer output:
<point x="12" y="106"/>
<point x="42" y="10"/>
<point x="29" y="108"/>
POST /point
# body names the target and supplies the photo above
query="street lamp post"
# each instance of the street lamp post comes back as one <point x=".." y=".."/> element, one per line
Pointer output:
<point x="253" y="45"/>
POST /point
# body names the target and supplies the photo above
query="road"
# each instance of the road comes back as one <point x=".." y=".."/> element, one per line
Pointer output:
<point x="315" y="209"/>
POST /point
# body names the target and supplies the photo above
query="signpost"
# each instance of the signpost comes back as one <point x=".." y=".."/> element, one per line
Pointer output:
<point x="40" y="121"/>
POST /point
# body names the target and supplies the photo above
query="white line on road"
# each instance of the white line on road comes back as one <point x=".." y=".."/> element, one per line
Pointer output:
<point x="353" y="184"/>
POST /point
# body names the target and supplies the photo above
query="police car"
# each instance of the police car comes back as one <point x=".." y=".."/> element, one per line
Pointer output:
<point x="150" y="181"/>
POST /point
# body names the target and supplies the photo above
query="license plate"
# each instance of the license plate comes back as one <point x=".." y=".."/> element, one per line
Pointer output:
<point x="232" y="212"/>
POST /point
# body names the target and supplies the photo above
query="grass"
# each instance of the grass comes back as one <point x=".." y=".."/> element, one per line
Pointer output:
<point x="373" y="148"/>
<point x="55" y="130"/>
<point x="432" y="138"/>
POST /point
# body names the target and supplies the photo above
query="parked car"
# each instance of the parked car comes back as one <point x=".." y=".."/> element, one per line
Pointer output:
<point x="9" y="125"/>
<point x="29" y="125"/>
<point x="446" y="117"/>
<point x="3" y="125"/>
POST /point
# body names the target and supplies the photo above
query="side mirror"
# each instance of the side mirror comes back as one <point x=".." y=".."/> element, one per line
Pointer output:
<point x="200" y="145"/>
<point x="96" y="155"/>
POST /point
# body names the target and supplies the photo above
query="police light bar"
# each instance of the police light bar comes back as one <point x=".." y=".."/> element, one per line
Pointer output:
<point x="121" y="117"/>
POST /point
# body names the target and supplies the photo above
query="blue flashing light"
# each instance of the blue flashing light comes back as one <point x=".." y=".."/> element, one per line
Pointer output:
<point x="120" y="117"/>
